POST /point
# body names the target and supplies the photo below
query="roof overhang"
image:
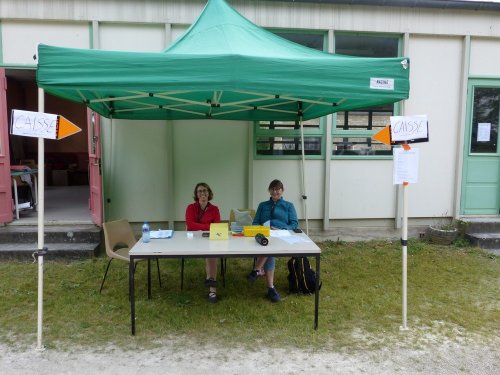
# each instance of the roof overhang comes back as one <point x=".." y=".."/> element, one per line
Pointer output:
<point x="440" y="4"/>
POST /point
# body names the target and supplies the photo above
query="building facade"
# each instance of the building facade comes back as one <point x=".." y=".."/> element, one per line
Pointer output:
<point x="149" y="169"/>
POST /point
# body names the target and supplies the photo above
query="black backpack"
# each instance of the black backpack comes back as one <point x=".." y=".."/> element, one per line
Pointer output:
<point x="301" y="278"/>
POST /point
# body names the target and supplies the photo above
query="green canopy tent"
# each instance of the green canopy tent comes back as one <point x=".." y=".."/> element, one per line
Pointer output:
<point x="223" y="67"/>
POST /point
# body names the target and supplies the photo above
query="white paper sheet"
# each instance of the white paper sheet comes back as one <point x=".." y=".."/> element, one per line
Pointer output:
<point x="280" y="233"/>
<point x="483" y="132"/>
<point x="295" y="239"/>
<point x="405" y="166"/>
<point x="161" y="233"/>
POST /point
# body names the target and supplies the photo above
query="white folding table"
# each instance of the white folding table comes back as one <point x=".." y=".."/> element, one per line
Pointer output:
<point x="180" y="246"/>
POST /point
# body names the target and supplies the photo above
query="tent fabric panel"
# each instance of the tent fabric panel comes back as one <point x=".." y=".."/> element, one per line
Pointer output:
<point x="223" y="66"/>
<point x="331" y="76"/>
<point x="342" y="82"/>
<point x="221" y="29"/>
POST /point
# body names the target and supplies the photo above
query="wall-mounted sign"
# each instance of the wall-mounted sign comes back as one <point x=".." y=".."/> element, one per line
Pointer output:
<point x="41" y="125"/>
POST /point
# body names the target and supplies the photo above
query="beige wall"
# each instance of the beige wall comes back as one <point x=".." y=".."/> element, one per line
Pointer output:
<point x="20" y="38"/>
<point x="151" y="168"/>
<point x="300" y="15"/>
<point x="484" y="57"/>
<point x="214" y="152"/>
<point x="436" y="64"/>
<point x="136" y="37"/>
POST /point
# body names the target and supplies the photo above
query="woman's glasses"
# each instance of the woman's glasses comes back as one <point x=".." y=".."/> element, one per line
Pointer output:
<point x="201" y="191"/>
<point x="275" y="189"/>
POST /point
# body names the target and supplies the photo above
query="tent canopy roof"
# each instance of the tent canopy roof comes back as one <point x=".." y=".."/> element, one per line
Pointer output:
<point x="223" y="67"/>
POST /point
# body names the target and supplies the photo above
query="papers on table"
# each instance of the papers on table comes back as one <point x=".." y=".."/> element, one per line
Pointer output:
<point x="161" y="233"/>
<point x="288" y="237"/>
<point x="280" y="233"/>
<point x="295" y="239"/>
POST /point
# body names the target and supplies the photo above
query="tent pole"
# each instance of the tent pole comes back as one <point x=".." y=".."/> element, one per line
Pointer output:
<point x="303" y="170"/>
<point x="111" y="168"/>
<point x="41" y="230"/>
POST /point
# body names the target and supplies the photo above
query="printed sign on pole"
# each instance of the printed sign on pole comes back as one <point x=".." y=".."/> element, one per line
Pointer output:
<point x="41" y="125"/>
<point x="405" y="166"/>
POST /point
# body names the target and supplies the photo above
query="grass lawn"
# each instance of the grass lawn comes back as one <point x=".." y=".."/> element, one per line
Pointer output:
<point x="453" y="294"/>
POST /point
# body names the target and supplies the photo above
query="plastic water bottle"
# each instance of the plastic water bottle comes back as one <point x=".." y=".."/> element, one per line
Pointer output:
<point x="145" y="232"/>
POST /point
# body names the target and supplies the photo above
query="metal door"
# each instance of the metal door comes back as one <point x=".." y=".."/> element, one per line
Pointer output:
<point x="95" y="181"/>
<point x="481" y="174"/>
<point x="5" y="180"/>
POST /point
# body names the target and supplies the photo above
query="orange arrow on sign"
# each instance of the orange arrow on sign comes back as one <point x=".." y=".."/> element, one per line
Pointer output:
<point x="384" y="135"/>
<point x="65" y="128"/>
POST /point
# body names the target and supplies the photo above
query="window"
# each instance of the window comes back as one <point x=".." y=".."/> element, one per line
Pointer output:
<point x="282" y="138"/>
<point x="352" y="130"/>
<point x="285" y="139"/>
<point x="486" y="113"/>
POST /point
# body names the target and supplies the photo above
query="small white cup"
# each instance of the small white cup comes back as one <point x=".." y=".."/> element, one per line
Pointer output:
<point x="189" y="235"/>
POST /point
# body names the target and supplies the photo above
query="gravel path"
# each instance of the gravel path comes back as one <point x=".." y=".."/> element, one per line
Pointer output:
<point x="444" y="358"/>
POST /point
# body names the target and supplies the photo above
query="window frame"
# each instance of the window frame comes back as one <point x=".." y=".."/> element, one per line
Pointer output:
<point x="292" y="133"/>
<point x="342" y="133"/>
<point x="320" y="132"/>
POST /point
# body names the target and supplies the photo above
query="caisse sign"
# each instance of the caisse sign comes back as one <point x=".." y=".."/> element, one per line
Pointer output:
<point x="41" y="125"/>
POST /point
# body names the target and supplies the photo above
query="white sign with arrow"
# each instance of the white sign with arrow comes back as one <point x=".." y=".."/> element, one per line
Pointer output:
<point x="41" y="125"/>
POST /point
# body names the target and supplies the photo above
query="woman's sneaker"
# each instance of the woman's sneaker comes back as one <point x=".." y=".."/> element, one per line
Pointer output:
<point x="273" y="295"/>
<point x="252" y="276"/>
<point x="212" y="297"/>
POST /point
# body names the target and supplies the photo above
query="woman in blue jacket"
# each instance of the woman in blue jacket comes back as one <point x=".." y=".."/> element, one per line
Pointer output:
<point x="280" y="214"/>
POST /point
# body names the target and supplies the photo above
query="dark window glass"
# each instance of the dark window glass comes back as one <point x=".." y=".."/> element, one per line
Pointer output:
<point x="359" y="146"/>
<point x="290" y="125"/>
<point x="484" y="136"/>
<point x="309" y="40"/>
<point x="366" y="45"/>
<point x="374" y="118"/>
<point x="288" y="146"/>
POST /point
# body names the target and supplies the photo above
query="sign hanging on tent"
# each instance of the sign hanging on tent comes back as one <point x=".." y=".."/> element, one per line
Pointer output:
<point x="41" y="125"/>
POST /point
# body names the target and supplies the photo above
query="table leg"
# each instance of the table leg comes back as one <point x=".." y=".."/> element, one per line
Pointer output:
<point x="149" y="278"/>
<point x="16" y="201"/>
<point x="36" y="193"/>
<point x="316" y="292"/>
<point x="131" y="284"/>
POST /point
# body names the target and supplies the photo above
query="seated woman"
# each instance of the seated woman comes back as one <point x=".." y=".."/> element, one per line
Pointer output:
<point x="281" y="215"/>
<point x="199" y="215"/>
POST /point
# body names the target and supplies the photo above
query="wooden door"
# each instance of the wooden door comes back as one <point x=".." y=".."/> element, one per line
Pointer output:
<point x="95" y="180"/>
<point x="5" y="180"/>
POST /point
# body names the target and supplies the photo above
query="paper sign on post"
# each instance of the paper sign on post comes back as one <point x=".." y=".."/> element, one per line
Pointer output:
<point x="409" y="128"/>
<point x="405" y="166"/>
